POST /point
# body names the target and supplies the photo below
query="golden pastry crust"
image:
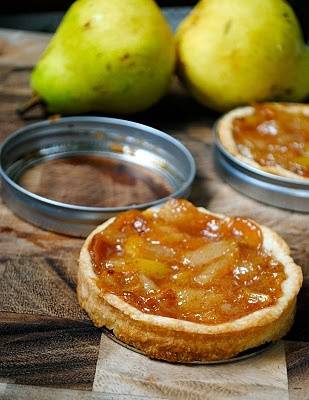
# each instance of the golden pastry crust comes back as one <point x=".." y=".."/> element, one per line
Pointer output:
<point x="225" y="134"/>
<point x="177" y="340"/>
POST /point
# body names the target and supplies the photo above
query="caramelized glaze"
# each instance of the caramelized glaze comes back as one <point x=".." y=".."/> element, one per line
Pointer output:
<point x="179" y="262"/>
<point x="273" y="136"/>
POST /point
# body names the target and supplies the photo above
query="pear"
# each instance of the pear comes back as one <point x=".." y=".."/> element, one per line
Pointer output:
<point x="233" y="52"/>
<point x="114" y="56"/>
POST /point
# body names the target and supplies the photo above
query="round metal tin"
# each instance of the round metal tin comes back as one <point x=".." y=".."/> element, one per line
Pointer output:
<point x="241" y="356"/>
<point x="100" y="136"/>
<point x="275" y="190"/>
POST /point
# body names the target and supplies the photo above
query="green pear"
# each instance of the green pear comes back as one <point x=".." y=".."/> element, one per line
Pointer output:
<point x="114" y="56"/>
<point x="232" y="52"/>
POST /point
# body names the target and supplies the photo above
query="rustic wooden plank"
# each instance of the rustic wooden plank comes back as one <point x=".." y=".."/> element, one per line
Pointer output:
<point x="18" y="237"/>
<point x="25" y="239"/>
<point x="297" y="357"/>
<point x="50" y="352"/>
<point x="20" y="48"/>
<point x="17" y="324"/>
<point x="11" y="96"/>
<point x="39" y="286"/>
<point x="22" y="392"/>
<point x="120" y="370"/>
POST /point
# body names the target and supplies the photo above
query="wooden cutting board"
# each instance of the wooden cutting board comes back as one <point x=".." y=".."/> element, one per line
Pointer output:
<point x="48" y="347"/>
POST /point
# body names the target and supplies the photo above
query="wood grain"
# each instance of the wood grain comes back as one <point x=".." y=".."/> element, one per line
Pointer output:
<point x="298" y="369"/>
<point x="22" y="392"/>
<point x="45" y="350"/>
<point x="20" y="238"/>
<point x="46" y="339"/>
<point x="38" y="286"/>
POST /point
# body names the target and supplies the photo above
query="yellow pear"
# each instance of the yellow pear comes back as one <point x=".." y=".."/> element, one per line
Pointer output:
<point x="232" y="52"/>
<point x="115" y="56"/>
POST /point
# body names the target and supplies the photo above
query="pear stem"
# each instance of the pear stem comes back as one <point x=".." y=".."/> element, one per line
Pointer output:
<point x="28" y="105"/>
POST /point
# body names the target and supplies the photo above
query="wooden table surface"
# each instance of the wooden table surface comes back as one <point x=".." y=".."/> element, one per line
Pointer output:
<point x="48" y="347"/>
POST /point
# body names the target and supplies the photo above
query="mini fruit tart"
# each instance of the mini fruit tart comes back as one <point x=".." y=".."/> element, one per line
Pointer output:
<point x="182" y="284"/>
<point x="273" y="137"/>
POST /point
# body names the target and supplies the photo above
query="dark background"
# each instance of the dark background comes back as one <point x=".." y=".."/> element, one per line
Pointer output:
<point x="45" y="15"/>
<point x="45" y="5"/>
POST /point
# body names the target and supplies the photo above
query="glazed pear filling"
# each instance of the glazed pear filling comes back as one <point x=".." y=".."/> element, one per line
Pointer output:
<point x="182" y="263"/>
<point x="272" y="136"/>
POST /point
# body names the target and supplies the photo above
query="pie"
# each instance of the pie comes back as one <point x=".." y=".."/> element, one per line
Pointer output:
<point x="180" y="283"/>
<point x="273" y="137"/>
